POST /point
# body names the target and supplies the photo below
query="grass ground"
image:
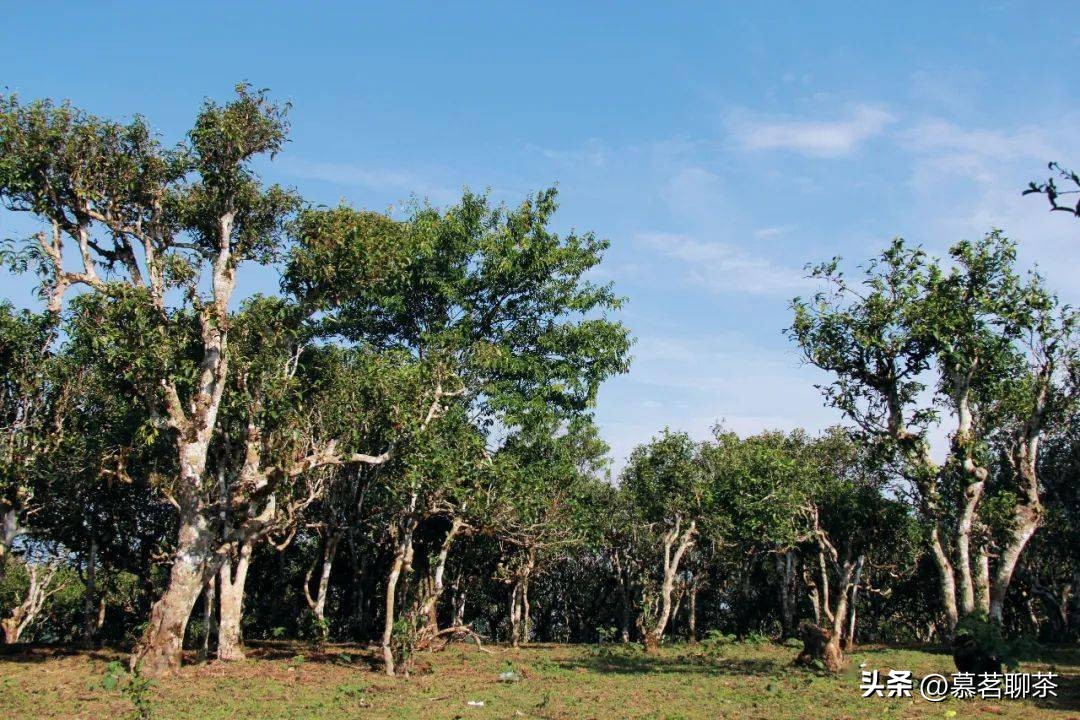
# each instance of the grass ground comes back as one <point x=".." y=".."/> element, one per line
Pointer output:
<point x="556" y="681"/>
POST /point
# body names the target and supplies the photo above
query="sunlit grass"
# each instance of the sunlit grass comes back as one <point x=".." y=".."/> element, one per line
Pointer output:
<point x="551" y="681"/>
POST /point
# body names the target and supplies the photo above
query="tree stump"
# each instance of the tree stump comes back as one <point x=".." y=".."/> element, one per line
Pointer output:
<point x="819" y="645"/>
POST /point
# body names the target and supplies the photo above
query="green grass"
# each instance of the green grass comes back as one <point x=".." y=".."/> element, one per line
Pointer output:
<point x="556" y="681"/>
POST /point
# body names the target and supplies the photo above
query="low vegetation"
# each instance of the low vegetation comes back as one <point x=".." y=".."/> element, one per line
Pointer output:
<point x="732" y="680"/>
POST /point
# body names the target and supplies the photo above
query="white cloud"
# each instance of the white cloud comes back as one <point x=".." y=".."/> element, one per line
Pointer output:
<point x="592" y="154"/>
<point x="773" y="231"/>
<point x="818" y="138"/>
<point x="933" y="136"/>
<point x="726" y="268"/>
<point x="373" y="178"/>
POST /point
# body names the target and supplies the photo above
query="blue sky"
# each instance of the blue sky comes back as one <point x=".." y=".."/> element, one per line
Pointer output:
<point x="719" y="147"/>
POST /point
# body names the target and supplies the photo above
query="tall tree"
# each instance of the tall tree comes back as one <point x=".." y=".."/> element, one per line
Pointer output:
<point x="669" y="493"/>
<point x="993" y="349"/>
<point x="490" y="301"/>
<point x="32" y="400"/>
<point x="151" y="224"/>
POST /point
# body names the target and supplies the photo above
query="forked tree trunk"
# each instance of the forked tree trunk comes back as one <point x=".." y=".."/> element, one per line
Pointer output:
<point x="822" y="641"/>
<point x="317" y="604"/>
<point x="38" y="591"/>
<point x="429" y="605"/>
<point x="459" y="601"/>
<point x="231" y="584"/>
<point x="676" y="543"/>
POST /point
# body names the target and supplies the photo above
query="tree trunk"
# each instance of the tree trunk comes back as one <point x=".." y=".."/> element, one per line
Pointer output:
<point x="515" y="613"/>
<point x="402" y="563"/>
<point x="692" y="620"/>
<point x="38" y="591"/>
<point x="1025" y="521"/>
<point x="459" y="602"/>
<point x="160" y="651"/>
<point x="9" y="530"/>
<point x="231" y="582"/>
<point x="785" y="566"/>
<point x="623" y="580"/>
<point x="89" y="609"/>
<point x="820" y="645"/>
<point x="982" y="581"/>
<point x="209" y="599"/>
<point x="526" y="612"/>
<point x="317" y="604"/>
<point x="12" y="630"/>
<point x="429" y="607"/>
<point x="685" y="539"/>
<point x="812" y="592"/>
<point x="972" y="495"/>
<point x="854" y="598"/>
<point x="946" y="579"/>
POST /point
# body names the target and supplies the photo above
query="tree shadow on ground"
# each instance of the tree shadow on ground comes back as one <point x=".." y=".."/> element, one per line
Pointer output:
<point x="348" y="655"/>
<point x="39" y="653"/>
<point x="627" y="663"/>
<point x="1068" y="694"/>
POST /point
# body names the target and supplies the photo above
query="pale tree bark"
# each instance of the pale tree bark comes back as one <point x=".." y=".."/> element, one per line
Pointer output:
<point x="460" y="594"/>
<point x="519" y="597"/>
<point x="1027" y="513"/>
<point x="854" y="599"/>
<point x="526" y="612"/>
<point x="9" y="530"/>
<point x="231" y="582"/>
<point x="40" y="588"/>
<point x="812" y="592"/>
<point x="317" y="603"/>
<point x="692" y="609"/>
<point x="161" y="648"/>
<point x="677" y="541"/>
<point x="515" y="613"/>
<point x="429" y="604"/>
<point x="256" y="483"/>
<point x="838" y="574"/>
<point x="624" y="583"/>
<point x="402" y="535"/>
<point x="982" y="580"/>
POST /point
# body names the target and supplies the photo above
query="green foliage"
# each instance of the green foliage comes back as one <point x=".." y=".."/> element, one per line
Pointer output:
<point x="133" y="686"/>
<point x="665" y="481"/>
<point x="489" y="298"/>
<point x="976" y="630"/>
